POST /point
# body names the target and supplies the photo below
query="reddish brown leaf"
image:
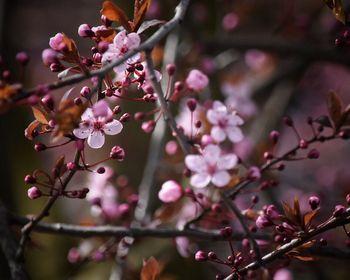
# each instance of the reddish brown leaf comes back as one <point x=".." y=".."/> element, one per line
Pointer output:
<point x="41" y="115"/>
<point x="167" y="211"/>
<point x="106" y="35"/>
<point x="334" y="108"/>
<point x="289" y="212"/>
<point x="309" y="216"/>
<point x="304" y="258"/>
<point x="140" y="9"/>
<point x="150" y="270"/>
<point x="60" y="166"/>
<point x="28" y="132"/>
<point x="337" y="8"/>
<point x="115" y="13"/>
<point x="297" y="212"/>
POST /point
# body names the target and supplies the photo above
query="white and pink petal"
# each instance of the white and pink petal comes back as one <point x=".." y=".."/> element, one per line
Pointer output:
<point x="96" y="139"/>
<point x="200" y="180"/>
<point x="221" y="178"/>
<point x="112" y="128"/>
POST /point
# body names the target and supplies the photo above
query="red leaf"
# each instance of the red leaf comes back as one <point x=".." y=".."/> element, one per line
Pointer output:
<point x="150" y="270"/>
<point x="334" y="108"/>
<point x="140" y="9"/>
<point x="309" y="216"/>
<point x="28" y="132"/>
<point x="115" y="13"/>
<point x="41" y="115"/>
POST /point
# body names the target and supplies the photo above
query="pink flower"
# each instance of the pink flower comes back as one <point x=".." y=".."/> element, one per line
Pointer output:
<point x="210" y="166"/>
<point x="171" y="191"/>
<point x="196" y="80"/>
<point x="224" y="123"/>
<point x="97" y="122"/>
<point x="144" y="77"/>
<point x="49" y="56"/>
<point x="283" y="274"/>
<point x="34" y="193"/>
<point x="122" y="44"/>
<point x="57" y="42"/>
<point x="262" y="222"/>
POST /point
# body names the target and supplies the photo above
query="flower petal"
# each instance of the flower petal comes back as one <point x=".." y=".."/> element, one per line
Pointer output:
<point x="213" y="117"/>
<point x="87" y="115"/>
<point x="112" y="128"/>
<point x="226" y="162"/>
<point x="211" y="153"/>
<point x="119" y="39"/>
<point x="234" y="134"/>
<point x="96" y="139"/>
<point x="218" y="134"/>
<point x="234" y="120"/>
<point x="221" y="179"/>
<point x="82" y="132"/>
<point x="200" y="180"/>
<point x="196" y="163"/>
<point x="133" y="40"/>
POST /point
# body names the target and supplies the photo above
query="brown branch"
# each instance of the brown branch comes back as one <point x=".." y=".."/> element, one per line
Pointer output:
<point x="117" y="231"/>
<point x="147" y="45"/>
<point x="28" y="227"/>
<point x="181" y="138"/>
<point x="9" y="246"/>
<point x="331" y="224"/>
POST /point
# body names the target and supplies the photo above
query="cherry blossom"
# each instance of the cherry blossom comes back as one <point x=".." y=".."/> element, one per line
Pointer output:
<point x="97" y="122"/>
<point x="224" y="123"/>
<point x="122" y="44"/>
<point x="210" y="166"/>
<point x="196" y="80"/>
<point x="57" y="42"/>
<point x="171" y="191"/>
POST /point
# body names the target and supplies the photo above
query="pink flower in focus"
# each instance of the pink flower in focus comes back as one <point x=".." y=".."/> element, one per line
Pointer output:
<point x="224" y="123"/>
<point x="57" y="42"/>
<point x="210" y="166"/>
<point x="283" y="274"/>
<point x="171" y="191"/>
<point x="122" y="44"/>
<point x="196" y="80"/>
<point x="97" y="122"/>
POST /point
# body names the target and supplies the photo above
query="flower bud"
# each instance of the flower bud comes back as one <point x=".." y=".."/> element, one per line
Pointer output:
<point x="34" y="193"/>
<point x="192" y="104"/>
<point x="262" y="222"/>
<point x="39" y="147"/>
<point x="101" y="170"/>
<point x="148" y="126"/>
<point x="338" y="210"/>
<point x="85" y="31"/>
<point x="22" y="58"/>
<point x="102" y="46"/>
<point x="314" y="202"/>
<point x="71" y="166"/>
<point x="85" y="91"/>
<point x="125" y="118"/>
<point x="29" y="179"/>
<point x="171" y="68"/>
<point x="48" y="101"/>
<point x="170" y="191"/>
<point x="226" y="232"/>
<point x="313" y="154"/>
<point x="196" y="80"/>
<point x="49" y="56"/>
<point x="200" y="256"/>
<point x="117" y="153"/>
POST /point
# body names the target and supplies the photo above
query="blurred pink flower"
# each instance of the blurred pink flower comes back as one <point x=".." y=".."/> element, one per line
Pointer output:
<point x="210" y="166"/>
<point x="170" y="191"/>
<point x="225" y="123"/>
<point x="196" y="80"/>
<point x="283" y="274"/>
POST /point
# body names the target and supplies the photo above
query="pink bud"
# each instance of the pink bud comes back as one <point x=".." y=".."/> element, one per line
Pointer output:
<point x="283" y="274"/>
<point x="262" y="222"/>
<point x="85" y="91"/>
<point x="73" y="255"/>
<point x="170" y="68"/>
<point x="170" y="191"/>
<point x="49" y="56"/>
<point x="22" y="58"/>
<point x="85" y="31"/>
<point x="117" y="153"/>
<point x="171" y="147"/>
<point x="34" y="193"/>
<point x="338" y="210"/>
<point x="57" y="42"/>
<point x="230" y="21"/>
<point x="254" y="173"/>
<point x="314" y="202"/>
<point x="272" y="212"/>
<point x="148" y="126"/>
<point x="196" y="80"/>
<point x="192" y="104"/>
<point x="200" y="256"/>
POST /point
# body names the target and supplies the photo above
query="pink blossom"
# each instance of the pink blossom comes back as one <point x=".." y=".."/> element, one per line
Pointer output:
<point x="196" y="80"/>
<point x="170" y="191"/>
<point x="97" y="122"/>
<point x="57" y="42"/>
<point x="122" y="44"/>
<point x="225" y="123"/>
<point x="210" y="166"/>
<point x="182" y="246"/>
<point x="230" y="21"/>
<point x="283" y="274"/>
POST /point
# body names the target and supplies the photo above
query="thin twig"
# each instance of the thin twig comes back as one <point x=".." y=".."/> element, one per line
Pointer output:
<point x="119" y="231"/>
<point x="28" y="227"/>
<point x="147" y="45"/>
<point x="331" y="224"/>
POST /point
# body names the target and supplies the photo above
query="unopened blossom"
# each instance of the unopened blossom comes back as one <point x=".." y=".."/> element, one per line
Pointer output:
<point x="97" y="122"/>
<point x="170" y="191"/>
<point x="144" y="77"/>
<point x="283" y="274"/>
<point x="225" y="123"/>
<point x="210" y="166"/>
<point x="196" y="80"/>
<point x="57" y="42"/>
<point x="122" y="43"/>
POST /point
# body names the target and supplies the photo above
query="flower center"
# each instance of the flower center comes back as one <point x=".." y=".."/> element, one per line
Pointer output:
<point x="211" y="169"/>
<point x="222" y="123"/>
<point x="124" y="49"/>
<point x="98" y="125"/>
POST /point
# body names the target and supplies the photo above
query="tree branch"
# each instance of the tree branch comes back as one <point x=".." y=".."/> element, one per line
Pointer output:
<point x="331" y="224"/>
<point x="147" y="45"/>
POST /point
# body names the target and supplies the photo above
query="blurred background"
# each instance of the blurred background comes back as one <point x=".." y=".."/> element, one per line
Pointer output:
<point x="266" y="58"/>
